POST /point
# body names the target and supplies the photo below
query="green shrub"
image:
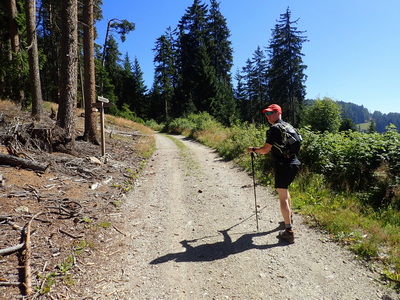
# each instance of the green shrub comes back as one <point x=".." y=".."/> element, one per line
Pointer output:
<point x="179" y="126"/>
<point x="126" y="113"/>
<point x="354" y="161"/>
<point x="154" y="125"/>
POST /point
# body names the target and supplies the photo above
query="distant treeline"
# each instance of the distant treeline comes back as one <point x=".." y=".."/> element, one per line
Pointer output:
<point x="359" y="115"/>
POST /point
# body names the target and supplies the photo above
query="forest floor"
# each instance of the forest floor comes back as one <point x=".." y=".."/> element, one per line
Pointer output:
<point x="79" y="199"/>
<point x="182" y="226"/>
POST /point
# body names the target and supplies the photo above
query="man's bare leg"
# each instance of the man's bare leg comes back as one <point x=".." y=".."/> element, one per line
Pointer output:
<point x="284" y="201"/>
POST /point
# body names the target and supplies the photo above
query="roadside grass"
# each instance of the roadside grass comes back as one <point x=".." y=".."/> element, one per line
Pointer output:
<point x="365" y="231"/>
<point x="145" y="142"/>
<point x="372" y="234"/>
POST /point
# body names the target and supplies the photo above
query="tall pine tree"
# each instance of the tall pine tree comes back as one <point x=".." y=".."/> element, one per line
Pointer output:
<point x="164" y="75"/>
<point x="89" y="85"/>
<point x="66" y="116"/>
<point x="223" y="106"/>
<point x="139" y="91"/>
<point x="257" y="83"/>
<point x="241" y="97"/>
<point x="204" y="60"/>
<point x="254" y="81"/>
<point x="286" y="69"/>
<point x="192" y="60"/>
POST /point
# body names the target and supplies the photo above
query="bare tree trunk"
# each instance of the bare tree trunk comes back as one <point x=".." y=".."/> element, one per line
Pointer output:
<point x="90" y="80"/>
<point x="15" y="41"/>
<point x="69" y="71"/>
<point x="34" y="73"/>
<point x="12" y="24"/>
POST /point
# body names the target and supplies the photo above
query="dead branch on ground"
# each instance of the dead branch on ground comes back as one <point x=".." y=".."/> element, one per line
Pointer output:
<point x="15" y="226"/>
<point x="70" y="234"/>
<point x="5" y="217"/>
<point x="15" y="161"/>
<point x="7" y="283"/>
<point x="12" y="249"/>
<point x="69" y="209"/>
<point x="117" y="229"/>
<point x="28" y="276"/>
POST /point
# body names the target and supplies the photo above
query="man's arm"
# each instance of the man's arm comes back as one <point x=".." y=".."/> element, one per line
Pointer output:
<point x="261" y="150"/>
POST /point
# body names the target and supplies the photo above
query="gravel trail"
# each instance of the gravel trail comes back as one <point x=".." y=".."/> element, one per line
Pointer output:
<point x="192" y="235"/>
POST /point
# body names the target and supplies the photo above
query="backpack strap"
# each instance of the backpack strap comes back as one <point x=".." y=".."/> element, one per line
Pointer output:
<point x="281" y="147"/>
<point x="287" y="132"/>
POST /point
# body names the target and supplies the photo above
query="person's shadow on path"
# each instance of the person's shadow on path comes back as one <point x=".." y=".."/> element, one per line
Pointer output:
<point x="218" y="250"/>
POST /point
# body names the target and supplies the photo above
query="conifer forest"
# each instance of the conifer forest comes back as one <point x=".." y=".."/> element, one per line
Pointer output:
<point x="48" y="53"/>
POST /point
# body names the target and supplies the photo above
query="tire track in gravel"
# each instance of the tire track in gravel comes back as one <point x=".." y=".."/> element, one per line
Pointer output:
<point x="192" y="236"/>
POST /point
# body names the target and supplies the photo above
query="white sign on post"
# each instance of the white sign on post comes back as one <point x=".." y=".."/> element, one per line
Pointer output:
<point x="102" y="99"/>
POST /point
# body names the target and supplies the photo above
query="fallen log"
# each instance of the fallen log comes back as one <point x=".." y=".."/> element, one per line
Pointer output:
<point x="15" y="161"/>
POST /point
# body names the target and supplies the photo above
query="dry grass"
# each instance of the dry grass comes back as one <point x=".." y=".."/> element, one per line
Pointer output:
<point x="128" y="124"/>
<point x="11" y="109"/>
<point x="212" y="138"/>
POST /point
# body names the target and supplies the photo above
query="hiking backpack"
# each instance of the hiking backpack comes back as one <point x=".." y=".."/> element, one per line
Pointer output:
<point x="291" y="140"/>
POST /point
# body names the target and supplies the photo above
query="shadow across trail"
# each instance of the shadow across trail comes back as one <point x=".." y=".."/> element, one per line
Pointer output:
<point x="218" y="250"/>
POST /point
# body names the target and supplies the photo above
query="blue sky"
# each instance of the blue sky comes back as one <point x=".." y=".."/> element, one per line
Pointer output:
<point x="352" y="54"/>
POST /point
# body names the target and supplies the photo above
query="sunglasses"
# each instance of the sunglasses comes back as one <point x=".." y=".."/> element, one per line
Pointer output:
<point x="268" y="113"/>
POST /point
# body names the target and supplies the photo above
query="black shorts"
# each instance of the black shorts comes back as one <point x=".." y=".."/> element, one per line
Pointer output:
<point x="285" y="172"/>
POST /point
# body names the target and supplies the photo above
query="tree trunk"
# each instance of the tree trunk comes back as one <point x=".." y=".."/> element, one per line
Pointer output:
<point x="12" y="25"/>
<point x="34" y="75"/>
<point x="89" y="81"/>
<point x="15" y="43"/>
<point x="69" y="71"/>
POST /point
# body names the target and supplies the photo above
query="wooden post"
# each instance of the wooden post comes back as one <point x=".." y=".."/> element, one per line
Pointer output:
<point x="103" y="102"/>
<point x="103" y="136"/>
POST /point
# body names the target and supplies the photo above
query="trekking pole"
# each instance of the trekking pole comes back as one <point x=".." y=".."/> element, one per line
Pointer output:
<point x="254" y="184"/>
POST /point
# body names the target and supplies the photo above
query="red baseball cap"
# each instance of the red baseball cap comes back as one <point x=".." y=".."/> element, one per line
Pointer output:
<point x="272" y="107"/>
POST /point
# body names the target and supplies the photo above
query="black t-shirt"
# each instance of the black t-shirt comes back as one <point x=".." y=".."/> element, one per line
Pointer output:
<point x="274" y="137"/>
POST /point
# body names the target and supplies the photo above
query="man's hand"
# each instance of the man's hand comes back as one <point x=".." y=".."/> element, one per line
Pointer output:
<point x="251" y="149"/>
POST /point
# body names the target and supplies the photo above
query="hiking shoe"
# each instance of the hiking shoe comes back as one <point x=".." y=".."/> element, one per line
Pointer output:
<point x="286" y="235"/>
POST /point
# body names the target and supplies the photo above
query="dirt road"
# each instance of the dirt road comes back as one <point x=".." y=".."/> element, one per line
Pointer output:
<point x="191" y="234"/>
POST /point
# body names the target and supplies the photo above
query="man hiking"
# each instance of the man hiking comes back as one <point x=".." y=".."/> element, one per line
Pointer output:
<point x="286" y="164"/>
